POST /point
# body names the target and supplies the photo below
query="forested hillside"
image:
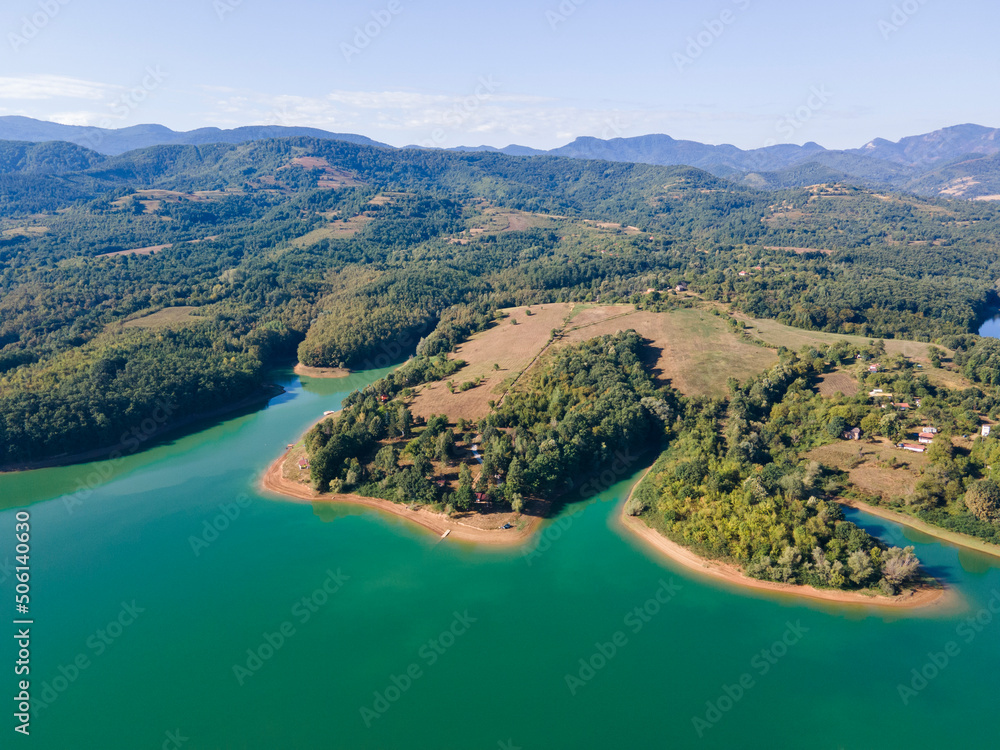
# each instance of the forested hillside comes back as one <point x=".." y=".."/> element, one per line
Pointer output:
<point x="256" y="252"/>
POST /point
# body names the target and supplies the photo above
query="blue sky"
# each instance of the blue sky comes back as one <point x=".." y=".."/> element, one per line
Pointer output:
<point x="537" y="73"/>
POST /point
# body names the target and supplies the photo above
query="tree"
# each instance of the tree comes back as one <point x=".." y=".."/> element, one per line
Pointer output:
<point x="445" y="445"/>
<point x="514" y="484"/>
<point x="900" y="565"/>
<point x="983" y="500"/>
<point x="422" y="465"/>
<point x="517" y="502"/>
<point x="859" y="563"/>
<point x="464" y="496"/>
<point x="836" y="427"/>
<point x="386" y="460"/>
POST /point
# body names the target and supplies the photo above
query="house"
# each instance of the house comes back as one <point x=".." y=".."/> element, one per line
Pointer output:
<point x="303" y="463"/>
<point x="931" y="430"/>
<point x="682" y="287"/>
<point x="986" y="430"/>
<point x="902" y="407"/>
<point x="879" y="393"/>
<point x="744" y="273"/>
<point x="383" y="398"/>
<point x="873" y="368"/>
<point x="925" y="438"/>
<point x="854" y="434"/>
<point x="912" y="447"/>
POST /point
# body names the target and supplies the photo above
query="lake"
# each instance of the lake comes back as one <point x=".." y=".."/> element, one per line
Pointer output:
<point x="991" y="328"/>
<point x="175" y="606"/>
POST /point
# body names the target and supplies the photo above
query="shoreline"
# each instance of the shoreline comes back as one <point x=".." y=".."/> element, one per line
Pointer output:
<point x="921" y="597"/>
<point x="263" y="396"/>
<point x="304" y="371"/>
<point x="275" y="483"/>
<point x="955" y="538"/>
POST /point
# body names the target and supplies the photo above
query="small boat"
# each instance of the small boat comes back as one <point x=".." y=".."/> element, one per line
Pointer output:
<point x="328" y="413"/>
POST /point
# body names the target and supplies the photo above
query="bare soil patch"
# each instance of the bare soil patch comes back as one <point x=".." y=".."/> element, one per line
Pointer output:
<point x="837" y="382"/>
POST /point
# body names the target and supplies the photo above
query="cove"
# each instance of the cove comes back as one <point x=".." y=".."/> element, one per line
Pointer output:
<point x="298" y="626"/>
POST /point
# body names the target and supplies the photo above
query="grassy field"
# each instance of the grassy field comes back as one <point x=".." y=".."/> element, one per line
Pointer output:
<point x="333" y="230"/>
<point x="695" y="350"/>
<point x="875" y="473"/>
<point x="512" y="347"/>
<point x="168" y="316"/>
<point x="776" y="334"/>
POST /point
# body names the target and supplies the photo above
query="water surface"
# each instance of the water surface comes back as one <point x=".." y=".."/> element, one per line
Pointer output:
<point x="523" y="617"/>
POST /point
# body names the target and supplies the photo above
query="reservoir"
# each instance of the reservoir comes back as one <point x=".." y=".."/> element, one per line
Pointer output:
<point x="176" y="606"/>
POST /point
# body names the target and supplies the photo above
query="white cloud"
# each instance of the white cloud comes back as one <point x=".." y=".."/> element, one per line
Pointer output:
<point x="52" y="87"/>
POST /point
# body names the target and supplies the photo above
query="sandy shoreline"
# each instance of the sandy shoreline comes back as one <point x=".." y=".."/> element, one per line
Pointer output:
<point x="320" y="372"/>
<point x="921" y="597"/>
<point x="952" y="537"/>
<point x="275" y="483"/>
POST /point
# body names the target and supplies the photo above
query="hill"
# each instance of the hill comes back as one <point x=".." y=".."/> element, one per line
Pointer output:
<point x="118" y="141"/>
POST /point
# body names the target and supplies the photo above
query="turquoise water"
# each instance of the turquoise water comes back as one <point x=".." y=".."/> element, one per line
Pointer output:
<point x="473" y="646"/>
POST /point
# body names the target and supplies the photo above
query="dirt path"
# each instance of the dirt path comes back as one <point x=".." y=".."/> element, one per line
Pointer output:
<point x="941" y="599"/>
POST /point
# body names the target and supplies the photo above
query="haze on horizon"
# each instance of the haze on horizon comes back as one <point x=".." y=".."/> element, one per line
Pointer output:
<point x="537" y="73"/>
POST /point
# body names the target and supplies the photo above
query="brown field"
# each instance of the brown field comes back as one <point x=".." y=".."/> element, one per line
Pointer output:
<point x="168" y="316"/>
<point x="947" y="378"/>
<point x="512" y="347"/>
<point x="333" y="230"/>
<point x="837" y="382"/>
<point x="697" y="352"/>
<point x="776" y="334"/>
<point x="332" y="177"/>
<point x="24" y="231"/>
<point x="494" y="220"/>
<point x="874" y="475"/>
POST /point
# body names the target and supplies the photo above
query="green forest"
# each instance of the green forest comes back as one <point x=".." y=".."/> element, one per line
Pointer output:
<point x="266" y="256"/>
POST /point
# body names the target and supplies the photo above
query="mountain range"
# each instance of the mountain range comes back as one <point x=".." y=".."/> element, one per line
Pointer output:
<point x="962" y="161"/>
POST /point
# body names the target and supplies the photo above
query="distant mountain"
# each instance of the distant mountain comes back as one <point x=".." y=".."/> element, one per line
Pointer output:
<point x="940" y="146"/>
<point x="118" y="141"/>
<point x="957" y="161"/>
